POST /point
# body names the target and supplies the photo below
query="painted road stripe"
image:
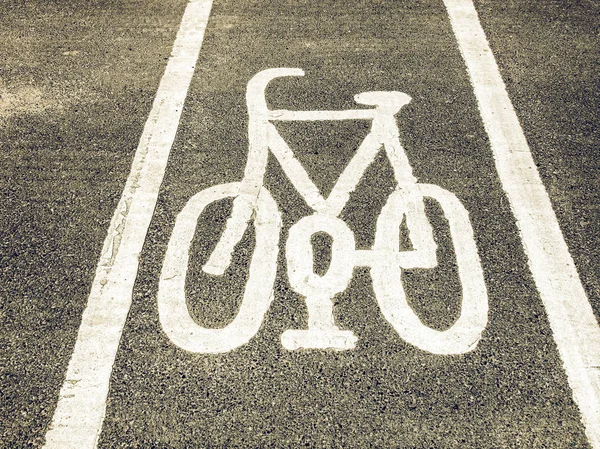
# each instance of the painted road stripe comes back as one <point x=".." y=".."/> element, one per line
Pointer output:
<point x="80" y="411"/>
<point x="572" y="320"/>
<point x="78" y="418"/>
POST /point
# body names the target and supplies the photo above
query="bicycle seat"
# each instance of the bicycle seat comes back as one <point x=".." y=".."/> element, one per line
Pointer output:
<point x="388" y="101"/>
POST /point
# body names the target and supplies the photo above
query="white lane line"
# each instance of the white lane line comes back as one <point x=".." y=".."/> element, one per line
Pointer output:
<point x="572" y="320"/>
<point x="81" y="407"/>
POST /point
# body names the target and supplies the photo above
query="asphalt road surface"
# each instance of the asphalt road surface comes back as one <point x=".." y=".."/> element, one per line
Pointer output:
<point x="494" y="344"/>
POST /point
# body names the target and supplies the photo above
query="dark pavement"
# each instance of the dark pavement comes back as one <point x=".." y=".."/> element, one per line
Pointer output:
<point x="77" y="81"/>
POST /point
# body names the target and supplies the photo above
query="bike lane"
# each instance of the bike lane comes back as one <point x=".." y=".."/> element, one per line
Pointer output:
<point x="508" y="392"/>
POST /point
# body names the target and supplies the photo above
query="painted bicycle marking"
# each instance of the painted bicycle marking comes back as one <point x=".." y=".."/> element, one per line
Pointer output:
<point x="252" y="201"/>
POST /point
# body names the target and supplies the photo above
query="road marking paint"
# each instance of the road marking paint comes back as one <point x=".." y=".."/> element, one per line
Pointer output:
<point x="465" y="333"/>
<point x="385" y="259"/>
<point x="175" y="317"/>
<point x="81" y="407"/>
<point x="571" y="317"/>
<point x="322" y="333"/>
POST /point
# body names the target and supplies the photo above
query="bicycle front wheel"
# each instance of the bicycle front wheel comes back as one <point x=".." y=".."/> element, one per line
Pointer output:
<point x="465" y="333"/>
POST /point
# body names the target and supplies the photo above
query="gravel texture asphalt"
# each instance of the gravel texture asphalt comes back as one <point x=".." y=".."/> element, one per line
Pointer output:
<point x="77" y="81"/>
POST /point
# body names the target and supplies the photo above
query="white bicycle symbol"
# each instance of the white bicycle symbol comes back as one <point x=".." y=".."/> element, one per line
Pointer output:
<point x="252" y="201"/>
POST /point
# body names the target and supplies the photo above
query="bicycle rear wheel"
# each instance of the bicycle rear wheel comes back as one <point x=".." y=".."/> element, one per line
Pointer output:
<point x="174" y="315"/>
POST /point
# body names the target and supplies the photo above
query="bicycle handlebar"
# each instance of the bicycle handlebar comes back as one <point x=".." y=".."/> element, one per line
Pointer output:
<point x="386" y="103"/>
<point x="255" y="93"/>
